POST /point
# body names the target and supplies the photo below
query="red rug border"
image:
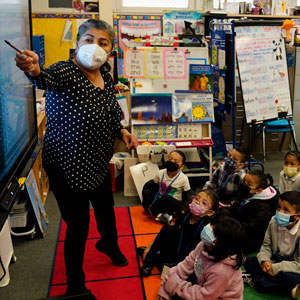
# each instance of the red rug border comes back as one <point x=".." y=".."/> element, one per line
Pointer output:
<point x="108" y="279"/>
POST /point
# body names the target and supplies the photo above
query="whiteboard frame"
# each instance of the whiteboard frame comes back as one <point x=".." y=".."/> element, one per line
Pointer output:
<point x="248" y="23"/>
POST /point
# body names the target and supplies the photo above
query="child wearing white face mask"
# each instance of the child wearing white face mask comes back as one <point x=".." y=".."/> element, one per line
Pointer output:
<point x="290" y="175"/>
<point x="277" y="265"/>
<point x="173" y="243"/>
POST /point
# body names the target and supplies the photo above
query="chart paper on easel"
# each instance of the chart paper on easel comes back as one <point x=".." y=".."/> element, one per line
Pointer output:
<point x="263" y="72"/>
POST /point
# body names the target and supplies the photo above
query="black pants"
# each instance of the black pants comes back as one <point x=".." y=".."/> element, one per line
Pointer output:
<point x="165" y="204"/>
<point x="164" y="247"/>
<point x="75" y="210"/>
<point x="266" y="283"/>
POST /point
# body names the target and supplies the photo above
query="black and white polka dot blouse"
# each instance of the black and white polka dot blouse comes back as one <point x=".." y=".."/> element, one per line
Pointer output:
<point x="82" y="124"/>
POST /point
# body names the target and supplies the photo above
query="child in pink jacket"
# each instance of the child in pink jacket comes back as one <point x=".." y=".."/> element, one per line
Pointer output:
<point x="212" y="270"/>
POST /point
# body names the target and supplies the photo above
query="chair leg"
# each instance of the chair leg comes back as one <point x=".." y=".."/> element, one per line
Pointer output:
<point x="264" y="145"/>
<point x="294" y="133"/>
<point x="282" y="140"/>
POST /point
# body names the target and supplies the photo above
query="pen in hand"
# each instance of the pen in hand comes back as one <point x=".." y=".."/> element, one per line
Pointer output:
<point x="15" y="48"/>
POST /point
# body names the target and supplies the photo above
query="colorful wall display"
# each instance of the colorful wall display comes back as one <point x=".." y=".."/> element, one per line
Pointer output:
<point x="192" y="107"/>
<point x="155" y="63"/>
<point x="119" y="21"/>
<point x="151" y="108"/>
<point x="173" y="22"/>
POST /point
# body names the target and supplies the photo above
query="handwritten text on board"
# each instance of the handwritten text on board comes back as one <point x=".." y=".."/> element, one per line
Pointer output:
<point x="134" y="64"/>
<point x="154" y="67"/>
<point x="175" y="63"/>
<point x="263" y="71"/>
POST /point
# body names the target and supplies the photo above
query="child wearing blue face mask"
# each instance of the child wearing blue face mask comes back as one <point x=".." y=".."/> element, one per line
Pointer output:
<point x="212" y="270"/>
<point x="227" y="178"/>
<point x="277" y="265"/>
<point x="290" y="175"/>
<point x="174" y="242"/>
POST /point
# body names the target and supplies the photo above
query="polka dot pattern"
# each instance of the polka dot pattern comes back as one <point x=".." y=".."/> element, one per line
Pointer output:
<point x="82" y="124"/>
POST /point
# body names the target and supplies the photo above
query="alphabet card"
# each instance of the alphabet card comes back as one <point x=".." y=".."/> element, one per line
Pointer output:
<point x="142" y="173"/>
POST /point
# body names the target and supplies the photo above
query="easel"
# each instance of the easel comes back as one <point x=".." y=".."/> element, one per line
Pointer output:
<point x="262" y="83"/>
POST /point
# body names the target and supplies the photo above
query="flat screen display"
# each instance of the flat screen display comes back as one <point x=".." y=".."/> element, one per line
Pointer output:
<point x="18" y="129"/>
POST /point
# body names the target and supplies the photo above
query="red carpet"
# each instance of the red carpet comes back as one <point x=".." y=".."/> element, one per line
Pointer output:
<point x="105" y="280"/>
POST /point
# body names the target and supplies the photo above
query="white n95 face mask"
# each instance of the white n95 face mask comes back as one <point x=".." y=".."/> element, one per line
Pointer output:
<point x="91" y="56"/>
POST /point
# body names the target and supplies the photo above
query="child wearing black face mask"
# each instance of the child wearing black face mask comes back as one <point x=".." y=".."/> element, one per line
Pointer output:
<point x="226" y="179"/>
<point x="173" y="243"/>
<point x="255" y="206"/>
<point x="163" y="194"/>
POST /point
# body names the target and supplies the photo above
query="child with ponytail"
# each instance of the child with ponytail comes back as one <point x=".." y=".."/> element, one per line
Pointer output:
<point x="256" y="206"/>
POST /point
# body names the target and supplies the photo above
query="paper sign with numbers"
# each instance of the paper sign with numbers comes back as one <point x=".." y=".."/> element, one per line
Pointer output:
<point x="175" y="63"/>
<point x="263" y="70"/>
<point x="134" y="64"/>
<point x="154" y="64"/>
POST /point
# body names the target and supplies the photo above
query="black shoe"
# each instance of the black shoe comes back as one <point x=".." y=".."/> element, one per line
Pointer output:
<point x="114" y="253"/>
<point x="76" y="290"/>
<point x="146" y="268"/>
<point x="140" y="251"/>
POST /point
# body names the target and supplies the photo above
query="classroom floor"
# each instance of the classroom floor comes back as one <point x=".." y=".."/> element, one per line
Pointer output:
<point x="30" y="274"/>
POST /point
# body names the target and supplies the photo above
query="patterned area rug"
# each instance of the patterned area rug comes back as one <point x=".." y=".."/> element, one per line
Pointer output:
<point x="109" y="282"/>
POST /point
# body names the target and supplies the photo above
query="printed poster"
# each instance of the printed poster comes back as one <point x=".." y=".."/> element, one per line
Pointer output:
<point x="129" y="30"/>
<point x="201" y="78"/>
<point x="193" y="107"/>
<point x="151" y="108"/>
<point x="173" y="22"/>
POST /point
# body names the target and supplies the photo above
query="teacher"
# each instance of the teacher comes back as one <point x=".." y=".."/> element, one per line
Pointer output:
<point x="83" y="120"/>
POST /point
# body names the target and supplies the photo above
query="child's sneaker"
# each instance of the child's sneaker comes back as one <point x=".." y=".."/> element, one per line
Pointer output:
<point x="247" y="278"/>
<point x="296" y="291"/>
<point x="164" y="218"/>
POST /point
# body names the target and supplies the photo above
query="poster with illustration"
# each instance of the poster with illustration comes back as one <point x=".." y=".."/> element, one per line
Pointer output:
<point x="219" y="76"/>
<point x="201" y="78"/>
<point x="193" y="107"/>
<point x="151" y="108"/>
<point x="173" y="22"/>
<point x="129" y="30"/>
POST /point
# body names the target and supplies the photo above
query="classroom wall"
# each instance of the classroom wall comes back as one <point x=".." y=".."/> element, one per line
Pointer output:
<point x="50" y="22"/>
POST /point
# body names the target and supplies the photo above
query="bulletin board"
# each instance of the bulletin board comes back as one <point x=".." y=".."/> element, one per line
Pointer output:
<point x="154" y="76"/>
<point x="52" y="26"/>
<point x="262" y="65"/>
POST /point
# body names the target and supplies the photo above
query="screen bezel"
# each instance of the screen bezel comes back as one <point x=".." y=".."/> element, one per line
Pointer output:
<point x="17" y="170"/>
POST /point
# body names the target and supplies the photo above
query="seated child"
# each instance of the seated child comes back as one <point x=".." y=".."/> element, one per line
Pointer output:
<point x="212" y="271"/>
<point x="257" y="204"/>
<point x="173" y="243"/>
<point x="277" y="265"/>
<point x="226" y="179"/>
<point x="290" y="176"/>
<point x="163" y="195"/>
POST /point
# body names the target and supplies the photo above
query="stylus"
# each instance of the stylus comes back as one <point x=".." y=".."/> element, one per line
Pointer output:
<point x="15" y="48"/>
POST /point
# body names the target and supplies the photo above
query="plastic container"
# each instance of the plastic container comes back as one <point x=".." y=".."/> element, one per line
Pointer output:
<point x="143" y="153"/>
<point x="156" y="153"/>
